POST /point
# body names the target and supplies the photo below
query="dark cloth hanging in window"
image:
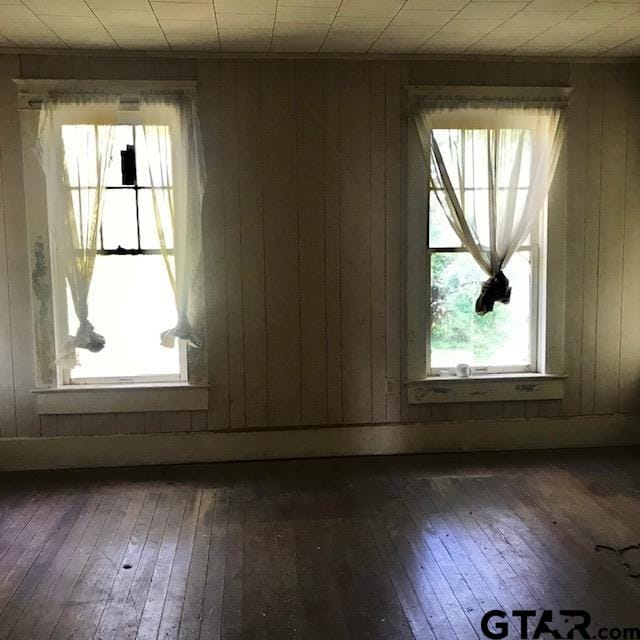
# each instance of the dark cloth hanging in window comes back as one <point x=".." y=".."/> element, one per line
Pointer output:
<point x="128" y="165"/>
<point x="495" y="289"/>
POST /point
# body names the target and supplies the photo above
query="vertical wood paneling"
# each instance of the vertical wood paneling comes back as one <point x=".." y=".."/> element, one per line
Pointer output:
<point x="377" y="175"/>
<point x="94" y="424"/>
<point x="629" y="334"/>
<point x="130" y="422"/>
<point x="214" y="246"/>
<point x="252" y="231"/>
<point x="396" y="122"/>
<point x="591" y="236"/>
<point x="304" y="249"/>
<point x="612" y="203"/>
<point x="7" y="390"/>
<point x="576" y="141"/>
<point x="355" y="234"/>
<point x="105" y="67"/>
<point x="232" y="242"/>
<point x="18" y="267"/>
<point x="281" y="241"/>
<point x="311" y="225"/>
<point x="332" y="247"/>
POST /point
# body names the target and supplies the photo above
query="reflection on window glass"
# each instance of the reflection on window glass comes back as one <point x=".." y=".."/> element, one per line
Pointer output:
<point x="458" y="334"/>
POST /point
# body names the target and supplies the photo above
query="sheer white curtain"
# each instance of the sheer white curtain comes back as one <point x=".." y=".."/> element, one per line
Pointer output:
<point x="75" y="159"/>
<point x="491" y="168"/>
<point x="174" y="167"/>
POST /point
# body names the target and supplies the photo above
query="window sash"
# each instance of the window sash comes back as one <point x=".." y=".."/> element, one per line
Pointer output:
<point x="64" y="374"/>
<point x="534" y="324"/>
<point x="67" y="380"/>
<point x="533" y="247"/>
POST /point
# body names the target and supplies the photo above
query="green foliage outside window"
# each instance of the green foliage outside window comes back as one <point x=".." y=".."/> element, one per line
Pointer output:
<point x="455" y="285"/>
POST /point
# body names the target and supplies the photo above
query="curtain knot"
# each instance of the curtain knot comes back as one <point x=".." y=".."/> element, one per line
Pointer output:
<point x="182" y="330"/>
<point x="87" y="338"/>
<point x="495" y="289"/>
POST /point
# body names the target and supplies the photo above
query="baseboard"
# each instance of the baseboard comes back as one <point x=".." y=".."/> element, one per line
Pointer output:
<point x="179" y="448"/>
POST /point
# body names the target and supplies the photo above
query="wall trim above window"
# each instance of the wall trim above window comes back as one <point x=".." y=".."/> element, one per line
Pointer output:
<point x="456" y="96"/>
<point x="32" y="91"/>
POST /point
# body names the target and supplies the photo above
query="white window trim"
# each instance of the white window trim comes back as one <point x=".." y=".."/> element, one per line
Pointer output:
<point x="550" y="311"/>
<point x="538" y="255"/>
<point x="64" y="375"/>
<point x="31" y="93"/>
<point x="121" y="398"/>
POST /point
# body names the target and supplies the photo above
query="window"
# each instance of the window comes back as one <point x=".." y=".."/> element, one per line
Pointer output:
<point x="505" y="340"/>
<point x="484" y="204"/>
<point x="130" y="291"/>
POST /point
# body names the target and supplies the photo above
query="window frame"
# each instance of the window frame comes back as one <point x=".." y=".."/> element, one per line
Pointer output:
<point x="64" y="373"/>
<point x="551" y="256"/>
<point x="30" y="94"/>
<point x="535" y="251"/>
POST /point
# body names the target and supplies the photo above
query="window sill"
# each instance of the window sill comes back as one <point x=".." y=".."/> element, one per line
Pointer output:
<point x="122" y="398"/>
<point x="486" y="388"/>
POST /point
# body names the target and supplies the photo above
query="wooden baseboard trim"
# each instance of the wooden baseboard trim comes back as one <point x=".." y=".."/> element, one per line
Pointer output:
<point x="17" y="454"/>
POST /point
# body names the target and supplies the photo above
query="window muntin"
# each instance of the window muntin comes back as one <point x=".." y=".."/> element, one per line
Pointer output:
<point x="505" y="340"/>
<point x="130" y="291"/>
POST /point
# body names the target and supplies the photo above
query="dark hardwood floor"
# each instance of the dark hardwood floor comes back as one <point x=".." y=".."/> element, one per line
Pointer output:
<point x="387" y="548"/>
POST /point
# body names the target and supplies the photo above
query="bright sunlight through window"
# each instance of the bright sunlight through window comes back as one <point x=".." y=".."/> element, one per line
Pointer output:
<point x="501" y="341"/>
<point x="130" y="291"/>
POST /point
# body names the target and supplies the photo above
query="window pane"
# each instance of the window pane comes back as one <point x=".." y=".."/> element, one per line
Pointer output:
<point x="458" y="334"/>
<point x="440" y="232"/>
<point x="123" y="135"/>
<point x="130" y="303"/>
<point x="83" y="202"/>
<point x="148" y="227"/>
<point x="79" y="143"/>
<point x="119" y="227"/>
<point x="153" y="155"/>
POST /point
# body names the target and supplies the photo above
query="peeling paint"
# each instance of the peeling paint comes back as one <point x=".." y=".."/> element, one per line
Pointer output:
<point x="527" y="387"/>
<point x="41" y="286"/>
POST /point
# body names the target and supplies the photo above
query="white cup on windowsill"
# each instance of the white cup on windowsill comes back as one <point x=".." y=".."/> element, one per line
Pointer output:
<point x="463" y="370"/>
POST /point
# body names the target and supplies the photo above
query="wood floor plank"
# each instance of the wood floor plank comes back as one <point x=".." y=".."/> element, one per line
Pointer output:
<point x="156" y="595"/>
<point x="396" y="548"/>
<point x="127" y="613"/>
<point x="53" y="592"/>
<point x="13" y="607"/>
<point x="108" y="620"/>
<point x="197" y="576"/>
<point x="90" y="596"/>
<point x="172" y="612"/>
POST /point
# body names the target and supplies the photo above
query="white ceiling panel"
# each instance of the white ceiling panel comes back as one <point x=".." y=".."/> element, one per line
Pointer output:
<point x="58" y="7"/>
<point x="500" y="27"/>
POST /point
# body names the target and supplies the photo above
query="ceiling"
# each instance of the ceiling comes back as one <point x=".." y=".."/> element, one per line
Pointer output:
<point x="483" y="27"/>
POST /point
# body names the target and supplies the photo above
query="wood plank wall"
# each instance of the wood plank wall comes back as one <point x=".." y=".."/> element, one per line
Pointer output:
<point x="303" y="238"/>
